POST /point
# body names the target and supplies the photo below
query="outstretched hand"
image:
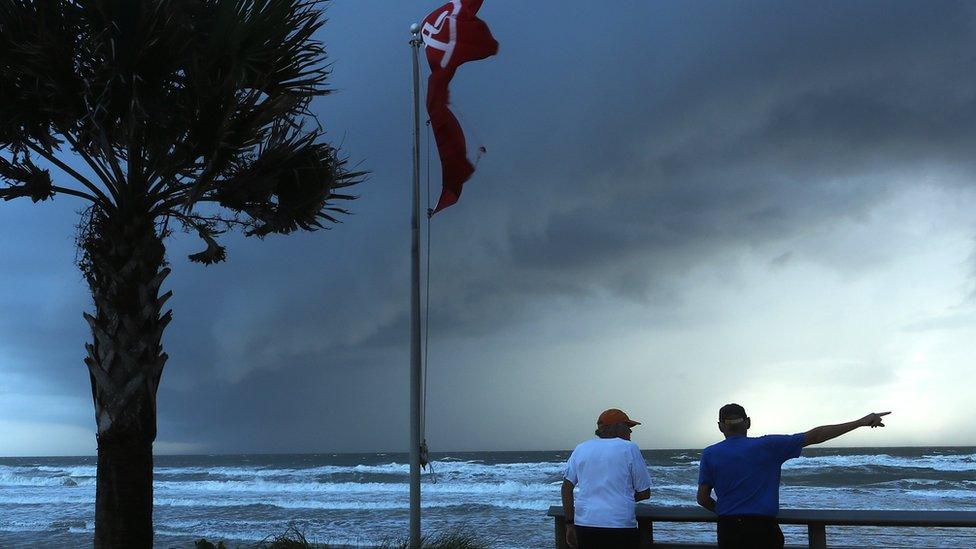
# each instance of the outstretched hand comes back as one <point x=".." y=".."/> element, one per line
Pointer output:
<point x="873" y="420"/>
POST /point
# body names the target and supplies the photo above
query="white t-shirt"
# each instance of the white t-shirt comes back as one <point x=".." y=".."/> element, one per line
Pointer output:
<point x="607" y="472"/>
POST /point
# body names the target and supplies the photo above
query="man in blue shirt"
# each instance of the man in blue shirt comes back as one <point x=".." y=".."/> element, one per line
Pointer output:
<point x="745" y="472"/>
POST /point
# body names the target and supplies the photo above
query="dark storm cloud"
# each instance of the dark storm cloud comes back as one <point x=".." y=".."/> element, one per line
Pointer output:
<point x="41" y="297"/>
<point x="626" y="147"/>
<point x="775" y="122"/>
<point x="625" y="152"/>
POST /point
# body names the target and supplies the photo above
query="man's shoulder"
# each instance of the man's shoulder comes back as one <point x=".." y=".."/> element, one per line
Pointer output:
<point x="627" y="445"/>
<point x="632" y="447"/>
<point x="773" y="439"/>
<point x="714" y="447"/>
<point x="588" y="443"/>
<point x="731" y="446"/>
<point x="622" y="442"/>
<point x="596" y="444"/>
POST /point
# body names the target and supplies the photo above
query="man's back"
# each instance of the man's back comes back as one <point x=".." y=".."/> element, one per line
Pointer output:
<point x="745" y="472"/>
<point x="607" y="472"/>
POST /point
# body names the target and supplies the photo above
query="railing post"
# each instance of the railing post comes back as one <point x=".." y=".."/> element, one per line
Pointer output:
<point x="645" y="530"/>
<point x="560" y="531"/>
<point x="817" y="534"/>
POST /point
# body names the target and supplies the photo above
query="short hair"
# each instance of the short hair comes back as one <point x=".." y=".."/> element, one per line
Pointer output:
<point x="732" y="412"/>
<point x="733" y="418"/>
<point x="612" y="431"/>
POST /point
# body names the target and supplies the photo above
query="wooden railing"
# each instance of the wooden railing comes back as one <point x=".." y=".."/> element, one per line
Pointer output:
<point x="816" y="521"/>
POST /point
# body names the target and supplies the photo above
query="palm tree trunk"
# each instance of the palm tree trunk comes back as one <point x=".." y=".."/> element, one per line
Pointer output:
<point x="123" y="263"/>
<point x="123" y="500"/>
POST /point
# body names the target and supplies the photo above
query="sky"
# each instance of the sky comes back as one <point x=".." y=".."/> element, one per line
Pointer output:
<point x="682" y="204"/>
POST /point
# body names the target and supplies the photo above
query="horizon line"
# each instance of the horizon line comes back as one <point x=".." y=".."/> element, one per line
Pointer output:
<point x="405" y="452"/>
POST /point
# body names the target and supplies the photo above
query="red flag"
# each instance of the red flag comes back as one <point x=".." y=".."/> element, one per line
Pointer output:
<point x="453" y="35"/>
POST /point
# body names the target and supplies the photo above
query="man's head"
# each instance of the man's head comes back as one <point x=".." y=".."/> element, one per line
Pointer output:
<point x="732" y="420"/>
<point x="614" y="423"/>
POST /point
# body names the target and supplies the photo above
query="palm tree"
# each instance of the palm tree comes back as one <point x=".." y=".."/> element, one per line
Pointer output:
<point x="159" y="114"/>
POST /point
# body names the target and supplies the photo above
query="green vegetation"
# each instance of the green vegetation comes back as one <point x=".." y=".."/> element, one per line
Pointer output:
<point x="457" y="539"/>
<point x="204" y="544"/>
<point x="293" y="538"/>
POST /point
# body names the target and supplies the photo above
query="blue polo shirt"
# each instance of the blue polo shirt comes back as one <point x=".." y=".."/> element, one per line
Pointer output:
<point x="745" y="471"/>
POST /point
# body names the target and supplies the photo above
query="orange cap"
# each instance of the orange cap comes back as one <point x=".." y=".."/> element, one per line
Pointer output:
<point x="614" y="416"/>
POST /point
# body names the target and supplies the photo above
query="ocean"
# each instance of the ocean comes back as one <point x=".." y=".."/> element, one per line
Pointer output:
<point x="362" y="499"/>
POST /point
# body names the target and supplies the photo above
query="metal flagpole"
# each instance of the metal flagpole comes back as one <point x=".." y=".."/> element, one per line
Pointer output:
<point x="415" y="374"/>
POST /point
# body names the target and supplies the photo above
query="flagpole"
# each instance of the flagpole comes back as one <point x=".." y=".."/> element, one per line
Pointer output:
<point x="415" y="374"/>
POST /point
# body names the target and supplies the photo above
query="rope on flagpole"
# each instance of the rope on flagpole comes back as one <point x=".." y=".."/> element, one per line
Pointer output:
<point x="427" y="287"/>
<point x="423" y="410"/>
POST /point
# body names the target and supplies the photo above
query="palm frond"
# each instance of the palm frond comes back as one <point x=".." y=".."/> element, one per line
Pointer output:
<point x="171" y="103"/>
<point x="25" y="179"/>
<point x="41" y="88"/>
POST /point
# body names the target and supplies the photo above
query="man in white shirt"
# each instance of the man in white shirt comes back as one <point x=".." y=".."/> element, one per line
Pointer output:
<point x="611" y="476"/>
